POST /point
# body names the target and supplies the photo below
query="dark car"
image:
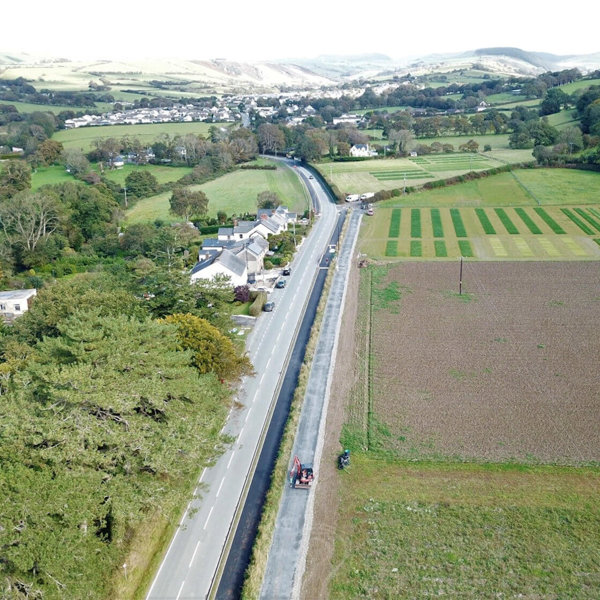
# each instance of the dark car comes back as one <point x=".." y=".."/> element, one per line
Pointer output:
<point x="287" y="271"/>
<point x="269" y="306"/>
<point x="280" y="284"/>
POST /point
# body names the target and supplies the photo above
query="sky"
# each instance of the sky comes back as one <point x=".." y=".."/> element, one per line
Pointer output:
<point x="254" y="30"/>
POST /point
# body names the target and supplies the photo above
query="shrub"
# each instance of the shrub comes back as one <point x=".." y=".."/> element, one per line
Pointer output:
<point x="257" y="306"/>
<point x="241" y="293"/>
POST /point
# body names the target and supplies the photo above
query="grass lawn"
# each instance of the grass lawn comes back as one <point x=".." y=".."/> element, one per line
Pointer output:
<point x="234" y="193"/>
<point x="163" y="173"/>
<point x="466" y="531"/>
<point x="83" y="137"/>
<point x="50" y="175"/>
<point x="561" y="186"/>
<point x="26" y="107"/>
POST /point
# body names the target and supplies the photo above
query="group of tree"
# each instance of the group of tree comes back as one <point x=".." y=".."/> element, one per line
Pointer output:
<point x="111" y="404"/>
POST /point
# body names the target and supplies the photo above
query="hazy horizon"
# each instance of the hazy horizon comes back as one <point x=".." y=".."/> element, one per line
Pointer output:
<point x="273" y="31"/>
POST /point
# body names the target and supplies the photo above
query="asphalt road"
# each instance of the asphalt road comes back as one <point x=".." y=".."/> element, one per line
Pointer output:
<point x="192" y="559"/>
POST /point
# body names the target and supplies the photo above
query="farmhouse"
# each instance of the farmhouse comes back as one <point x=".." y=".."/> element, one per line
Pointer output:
<point x="14" y="303"/>
<point x="223" y="263"/>
<point x="362" y="150"/>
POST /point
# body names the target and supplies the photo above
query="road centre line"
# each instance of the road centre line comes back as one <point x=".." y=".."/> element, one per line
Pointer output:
<point x="194" y="555"/>
<point x="207" y="518"/>
<point x="219" y="490"/>
<point x="181" y="588"/>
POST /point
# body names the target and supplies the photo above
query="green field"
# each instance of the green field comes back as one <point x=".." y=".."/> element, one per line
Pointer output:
<point x="466" y="531"/>
<point x="532" y="214"/>
<point x="234" y="193"/>
<point x="26" y="107"/>
<point x="163" y="174"/>
<point x="82" y="137"/>
<point x="49" y="176"/>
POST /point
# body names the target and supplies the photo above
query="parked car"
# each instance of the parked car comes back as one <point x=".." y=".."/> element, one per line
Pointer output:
<point x="310" y="177"/>
<point x="269" y="306"/>
<point x="287" y="271"/>
<point x="280" y="284"/>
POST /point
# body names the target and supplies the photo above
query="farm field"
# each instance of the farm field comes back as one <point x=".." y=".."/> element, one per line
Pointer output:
<point x="530" y="214"/>
<point x="501" y="379"/>
<point x="234" y="193"/>
<point x="504" y="372"/>
<point x="26" y="107"/>
<point x="387" y="174"/>
<point x="83" y="137"/>
<point x="465" y="531"/>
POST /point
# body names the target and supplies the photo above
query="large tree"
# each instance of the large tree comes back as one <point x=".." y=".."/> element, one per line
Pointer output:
<point x="213" y="352"/>
<point x="141" y="184"/>
<point x="29" y="218"/>
<point x="15" y="177"/>
<point x="187" y="203"/>
<point x="268" y="199"/>
<point x="48" y="152"/>
<point x="270" y="138"/>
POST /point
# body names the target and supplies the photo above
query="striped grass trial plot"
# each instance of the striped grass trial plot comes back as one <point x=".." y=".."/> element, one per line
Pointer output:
<point x="386" y="174"/>
<point x="527" y="233"/>
<point x="498" y="217"/>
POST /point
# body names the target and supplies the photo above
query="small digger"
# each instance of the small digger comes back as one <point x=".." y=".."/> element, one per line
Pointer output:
<point x="301" y="476"/>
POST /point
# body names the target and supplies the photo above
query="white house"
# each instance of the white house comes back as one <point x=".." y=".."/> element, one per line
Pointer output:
<point x="221" y="263"/>
<point x="14" y="303"/>
<point x="362" y="150"/>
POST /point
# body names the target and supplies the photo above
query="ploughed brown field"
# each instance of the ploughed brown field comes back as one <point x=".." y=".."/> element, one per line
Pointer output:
<point x="507" y="371"/>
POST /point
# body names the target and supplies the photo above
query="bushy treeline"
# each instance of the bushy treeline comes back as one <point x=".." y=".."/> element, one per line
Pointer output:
<point x="111" y="402"/>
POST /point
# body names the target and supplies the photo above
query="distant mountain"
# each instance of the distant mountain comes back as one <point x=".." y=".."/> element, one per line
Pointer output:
<point x="344" y="66"/>
<point x="504" y="61"/>
<point x="222" y="76"/>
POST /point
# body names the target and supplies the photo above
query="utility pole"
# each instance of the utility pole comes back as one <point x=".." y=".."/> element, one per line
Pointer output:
<point x="460" y="277"/>
<point x="125" y="190"/>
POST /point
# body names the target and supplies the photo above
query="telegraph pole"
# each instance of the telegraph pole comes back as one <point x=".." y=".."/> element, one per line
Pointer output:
<point x="460" y="277"/>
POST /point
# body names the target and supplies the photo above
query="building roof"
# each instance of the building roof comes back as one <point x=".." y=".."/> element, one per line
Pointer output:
<point x="17" y="294"/>
<point x="226" y="258"/>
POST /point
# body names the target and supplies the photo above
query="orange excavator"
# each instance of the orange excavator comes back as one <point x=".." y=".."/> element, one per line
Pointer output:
<point x="301" y="476"/>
